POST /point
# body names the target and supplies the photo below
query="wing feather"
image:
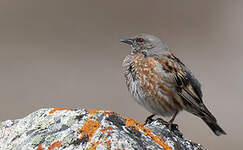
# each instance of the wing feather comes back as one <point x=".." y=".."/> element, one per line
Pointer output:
<point x="188" y="86"/>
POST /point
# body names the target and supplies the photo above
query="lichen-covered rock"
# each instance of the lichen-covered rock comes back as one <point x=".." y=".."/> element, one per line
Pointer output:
<point x="77" y="129"/>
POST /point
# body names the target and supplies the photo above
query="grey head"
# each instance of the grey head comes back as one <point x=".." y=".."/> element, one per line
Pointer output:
<point x="146" y="44"/>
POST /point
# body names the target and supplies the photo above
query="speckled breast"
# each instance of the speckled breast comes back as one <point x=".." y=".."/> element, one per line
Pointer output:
<point x="150" y="85"/>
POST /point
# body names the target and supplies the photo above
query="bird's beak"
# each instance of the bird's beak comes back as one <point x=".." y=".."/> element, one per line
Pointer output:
<point x="127" y="41"/>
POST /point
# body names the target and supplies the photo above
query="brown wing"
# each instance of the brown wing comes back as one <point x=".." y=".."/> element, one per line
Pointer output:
<point x="187" y="85"/>
<point x="189" y="90"/>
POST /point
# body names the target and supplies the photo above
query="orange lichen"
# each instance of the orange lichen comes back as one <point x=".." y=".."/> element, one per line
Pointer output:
<point x="94" y="145"/>
<point x="56" y="109"/>
<point x="54" y="145"/>
<point x="109" y="142"/>
<point x="109" y="113"/>
<point x="40" y="147"/>
<point x="137" y="125"/>
<point x="89" y="128"/>
<point x="107" y="129"/>
<point x="133" y="123"/>
<point x="93" y="111"/>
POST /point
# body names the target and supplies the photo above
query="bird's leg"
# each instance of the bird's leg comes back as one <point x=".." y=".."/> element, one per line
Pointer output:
<point x="170" y="123"/>
<point x="163" y="121"/>
<point x="174" y="127"/>
<point x="173" y="118"/>
<point x="149" y="119"/>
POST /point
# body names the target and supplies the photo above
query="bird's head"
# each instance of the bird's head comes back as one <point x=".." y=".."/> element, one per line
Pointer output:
<point x="146" y="44"/>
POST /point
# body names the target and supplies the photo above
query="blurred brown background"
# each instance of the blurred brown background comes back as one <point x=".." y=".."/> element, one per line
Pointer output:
<point x="66" y="53"/>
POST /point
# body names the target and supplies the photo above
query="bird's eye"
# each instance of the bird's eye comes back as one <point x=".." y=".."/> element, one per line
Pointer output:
<point x="140" y="40"/>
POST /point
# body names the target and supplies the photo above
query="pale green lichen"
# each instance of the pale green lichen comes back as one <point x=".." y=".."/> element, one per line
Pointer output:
<point x="70" y="121"/>
<point x="69" y="139"/>
<point x="45" y="123"/>
<point x="50" y="138"/>
<point x="14" y="145"/>
<point x="36" y="140"/>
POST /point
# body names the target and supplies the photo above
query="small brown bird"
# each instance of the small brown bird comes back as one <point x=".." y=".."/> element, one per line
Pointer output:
<point x="161" y="83"/>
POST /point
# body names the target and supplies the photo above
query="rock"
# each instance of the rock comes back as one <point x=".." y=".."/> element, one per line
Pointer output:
<point x="75" y="129"/>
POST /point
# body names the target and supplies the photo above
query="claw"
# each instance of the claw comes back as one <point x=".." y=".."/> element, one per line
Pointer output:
<point x="149" y="119"/>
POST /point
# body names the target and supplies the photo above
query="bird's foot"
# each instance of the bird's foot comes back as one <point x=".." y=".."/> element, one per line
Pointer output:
<point x="149" y="119"/>
<point x="172" y="127"/>
<point x="175" y="129"/>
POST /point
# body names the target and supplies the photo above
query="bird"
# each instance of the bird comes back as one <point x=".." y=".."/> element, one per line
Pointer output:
<point x="163" y="84"/>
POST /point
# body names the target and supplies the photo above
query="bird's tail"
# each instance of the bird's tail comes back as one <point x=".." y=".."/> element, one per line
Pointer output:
<point x="211" y="121"/>
<point x="214" y="127"/>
